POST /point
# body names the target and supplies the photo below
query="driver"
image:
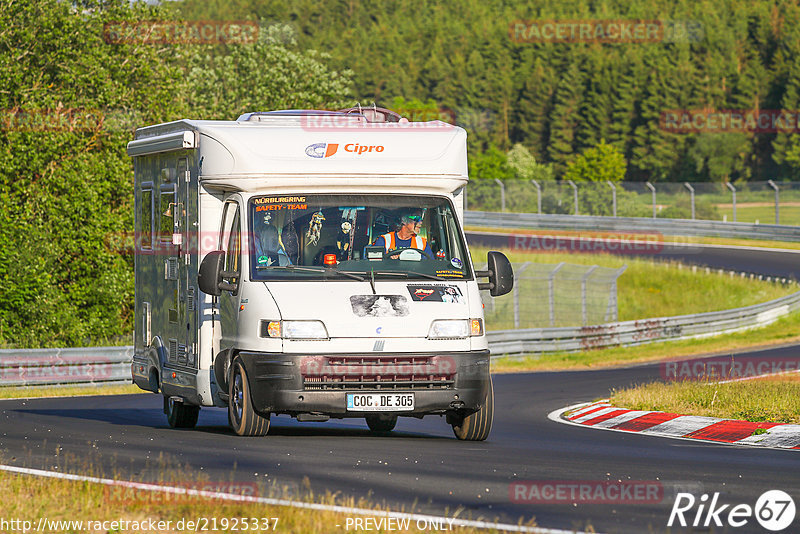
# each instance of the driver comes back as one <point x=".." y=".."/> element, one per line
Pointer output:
<point x="406" y="236"/>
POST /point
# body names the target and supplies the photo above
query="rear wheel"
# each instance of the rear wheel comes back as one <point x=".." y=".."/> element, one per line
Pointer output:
<point x="241" y="415"/>
<point x="180" y="415"/>
<point x="476" y="426"/>
<point x="381" y="423"/>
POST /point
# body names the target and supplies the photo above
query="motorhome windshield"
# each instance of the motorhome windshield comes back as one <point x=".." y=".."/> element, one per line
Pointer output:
<point x="355" y="236"/>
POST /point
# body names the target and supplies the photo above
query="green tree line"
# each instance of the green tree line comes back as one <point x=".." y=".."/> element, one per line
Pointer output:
<point x="70" y="98"/>
<point x="560" y="99"/>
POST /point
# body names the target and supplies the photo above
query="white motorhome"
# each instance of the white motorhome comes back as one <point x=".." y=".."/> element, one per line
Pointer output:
<point x="271" y="276"/>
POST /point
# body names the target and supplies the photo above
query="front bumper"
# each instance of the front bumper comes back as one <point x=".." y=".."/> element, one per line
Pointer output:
<point x="319" y="384"/>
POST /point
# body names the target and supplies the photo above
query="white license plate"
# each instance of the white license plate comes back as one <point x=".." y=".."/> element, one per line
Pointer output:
<point x="380" y="402"/>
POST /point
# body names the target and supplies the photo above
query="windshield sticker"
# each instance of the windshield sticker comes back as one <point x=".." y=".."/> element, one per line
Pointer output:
<point x="280" y="203"/>
<point x="453" y="274"/>
<point x="432" y="293"/>
<point x="456" y="262"/>
<point x="379" y="305"/>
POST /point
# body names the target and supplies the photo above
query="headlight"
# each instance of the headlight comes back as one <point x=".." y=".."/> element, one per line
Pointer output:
<point x="294" y="329"/>
<point x="449" y="329"/>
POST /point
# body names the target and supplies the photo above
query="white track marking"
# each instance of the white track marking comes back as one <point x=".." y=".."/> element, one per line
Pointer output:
<point x="283" y="502"/>
<point x="786" y="436"/>
<point x="682" y="425"/>
<point x="622" y="418"/>
<point x="577" y="413"/>
<point x="592" y="415"/>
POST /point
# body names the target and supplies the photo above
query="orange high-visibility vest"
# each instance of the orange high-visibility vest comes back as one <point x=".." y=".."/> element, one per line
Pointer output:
<point x="417" y="242"/>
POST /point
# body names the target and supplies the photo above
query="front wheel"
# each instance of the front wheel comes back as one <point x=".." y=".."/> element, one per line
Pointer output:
<point x="476" y="426"/>
<point x="180" y="415"/>
<point x="381" y="423"/>
<point x="241" y="415"/>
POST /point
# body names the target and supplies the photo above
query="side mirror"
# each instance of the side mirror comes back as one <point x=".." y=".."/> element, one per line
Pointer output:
<point x="210" y="273"/>
<point x="500" y="274"/>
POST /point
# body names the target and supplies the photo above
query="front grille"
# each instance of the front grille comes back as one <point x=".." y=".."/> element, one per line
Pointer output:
<point x="356" y="373"/>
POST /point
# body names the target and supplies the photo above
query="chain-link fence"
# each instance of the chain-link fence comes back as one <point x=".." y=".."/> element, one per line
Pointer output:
<point x="563" y="294"/>
<point x="753" y="202"/>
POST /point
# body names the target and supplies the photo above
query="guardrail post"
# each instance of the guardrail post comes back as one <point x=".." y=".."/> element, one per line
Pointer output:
<point x="691" y="192"/>
<point x="502" y="194"/>
<point x="574" y="194"/>
<point x="733" y="193"/>
<point x="538" y="195"/>
<point x="777" y="199"/>
<point x="517" y="272"/>
<point x="653" y="189"/>
<point x="613" y="307"/>
<point x="584" y="279"/>
<point x="551" y="292"/>
<point x="613" y="196"/>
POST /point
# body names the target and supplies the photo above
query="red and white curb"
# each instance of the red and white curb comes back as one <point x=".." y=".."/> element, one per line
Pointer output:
<point x="602" y="415"/>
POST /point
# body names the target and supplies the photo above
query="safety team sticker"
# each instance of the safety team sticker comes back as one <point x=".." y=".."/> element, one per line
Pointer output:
<point x="435" y="293"/>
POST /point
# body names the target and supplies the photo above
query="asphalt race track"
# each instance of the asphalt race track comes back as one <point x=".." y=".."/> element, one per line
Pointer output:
<point x="420" y="465"/>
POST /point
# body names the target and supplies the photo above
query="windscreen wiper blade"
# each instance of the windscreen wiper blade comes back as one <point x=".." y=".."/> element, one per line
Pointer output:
<point x="306" y="269"/>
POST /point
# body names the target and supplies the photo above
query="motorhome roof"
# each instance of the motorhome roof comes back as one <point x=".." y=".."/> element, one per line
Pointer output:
<point x="319" y="143"/>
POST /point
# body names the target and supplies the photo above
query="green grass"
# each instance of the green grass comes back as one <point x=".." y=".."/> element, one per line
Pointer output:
<point x="13" y="392"/>
<point x="789" y="215"/>
<point x="785" y="330"/>
<point x="647" y="289"/>
<point x="773" y="400"/>
<point x="29" y="498"/>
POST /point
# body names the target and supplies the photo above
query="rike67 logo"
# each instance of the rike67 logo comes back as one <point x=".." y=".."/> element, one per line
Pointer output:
<point x="774" y="510"/>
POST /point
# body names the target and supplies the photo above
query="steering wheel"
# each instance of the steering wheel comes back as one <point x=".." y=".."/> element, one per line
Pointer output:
<point x="397" y="251"/>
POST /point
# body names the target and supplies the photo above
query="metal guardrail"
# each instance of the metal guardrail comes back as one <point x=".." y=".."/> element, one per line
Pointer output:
<point x="105" y="365"/>
<point x="628" y="225"/>
<point x="75" y="366"/>
<point x="628" y="333"/>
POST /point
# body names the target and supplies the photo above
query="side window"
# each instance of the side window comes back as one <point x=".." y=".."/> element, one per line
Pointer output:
<point x="231" y="240"/>
<point x="146" y="217"/>
<point x="166" y="209"/>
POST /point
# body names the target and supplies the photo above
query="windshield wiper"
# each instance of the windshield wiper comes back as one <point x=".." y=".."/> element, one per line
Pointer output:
<point x="305" y="269"/>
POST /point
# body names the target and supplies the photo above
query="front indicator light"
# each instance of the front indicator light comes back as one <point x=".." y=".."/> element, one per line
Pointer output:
<point x="476" y="327"/>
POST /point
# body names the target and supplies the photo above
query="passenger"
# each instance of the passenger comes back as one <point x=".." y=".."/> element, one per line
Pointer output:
<point x="268" y="248"/>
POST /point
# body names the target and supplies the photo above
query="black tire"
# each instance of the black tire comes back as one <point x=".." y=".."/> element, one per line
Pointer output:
<point x="241" y="415"/>
<point x="381" y="423"/>
<point x="476" y="426"/>
<point x="180" y="415"/>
